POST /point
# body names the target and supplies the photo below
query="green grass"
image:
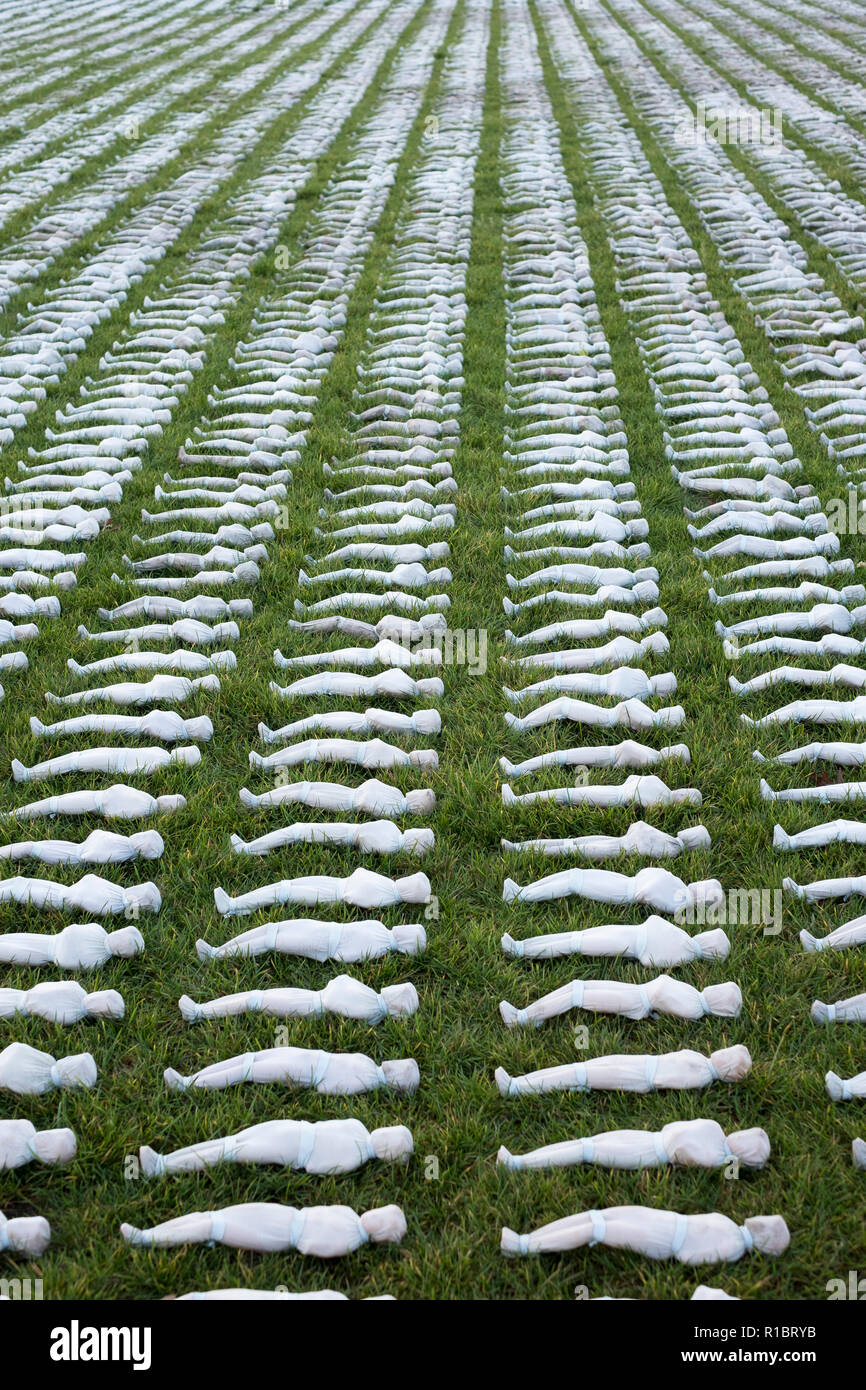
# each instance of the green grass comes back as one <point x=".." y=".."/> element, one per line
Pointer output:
<point x="456" y="1204"/>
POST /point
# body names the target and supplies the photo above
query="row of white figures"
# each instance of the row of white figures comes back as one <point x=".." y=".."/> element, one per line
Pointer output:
<point x="97" y="446"/>
<point x="391" y="636"/>
<point x="816" y="339"/>
<point x="96" y="27"/>
<point x="159" y="352"/>
<point x="735" y="450"/>
<point x="329" y="1232"/>
<point x="292" y="334"/>
<point x="566" y="453"/>
<point x="724" y="441"/>
<point x="257" y="423"/>
<point x="577" y="543"/>
<point x="38" y="174"/>
<point x="99" y="442"/>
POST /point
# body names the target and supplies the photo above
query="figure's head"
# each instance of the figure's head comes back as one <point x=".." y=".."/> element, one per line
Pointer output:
<point x="713" y="945"/>
<point x="724" y="1000"/>
<point x="418" y="841"/>
<point x="770" y="1234"/>
<point x="414" y="888"/>
<point x="421" y="801"/>
<point x="384" y="1224"/>
<point x="125" y="943"/>
<point x="393" y="1144"/>
<point x="54" y="1145"/>
<point x="402" y="1074"/>
<point x="410" y="938"/>
<point x="401" y="1000"/>
<point x="731" y="1063"/>
<point x="750" y="1146"/>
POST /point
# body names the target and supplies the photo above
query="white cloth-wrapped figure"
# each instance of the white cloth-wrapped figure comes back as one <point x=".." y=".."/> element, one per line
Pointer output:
<point x="667" y="1071"/>
<point x="847" y="832"/>
<point x="182" y="660"/>
<point x="813" y="712"/>
<point x="828" y="793"/>
<point x="681" y="1144"/>
<point x="590" y="629"/>
<point x="24" y="1235"/>
<point x="651" y="887"/>
<point x="831" y="644"/>
<point x="634" y="791"/>
<point x="91" y="894"/>
<point x="114" y="803"/>
<point x="825" y="888"/>
<point x="21" y="1142"/>
<point x="630" y="714"/>
<point x="190" y="630"/>
<point x="619" y="650"/>
<point x="844" y="675"/>
<point x="628" y="753"/>
<point x="371" y="798"/>
<point x="858" y="1152"/>
<point x="851" y="1010"/>
<point x="163" y="724"/>
<point x="372" y="754"/>
<point x="384" y="653"/>
<point x="204" y="606"/>
<point x="841" y="754"/>
<point x="60" y="1001"/>
<point x="363" y="889"/>
<point x="343" y="996"/>
<point x="321" y="1147"/>
<point x="640" y="838"/>
<point x="824" y="617"/>
<point x="81" y="946"/>
<point x="325" y="1232"/>
<point x="174" y="690"/>
<point x="26" y="1071"/>
<point x="318" y="940"/>
<point x="125" y="762"/>
<point x="654" y="942"/>
<point x="662" y="995"/>
<point x="329" y="1073"/>
<point x="842" y="938"/>
<point x="709" y="1238"/>
<point x="369" y="837"/>
<point x="100" y="847"/>
<point x="378" y="721"/>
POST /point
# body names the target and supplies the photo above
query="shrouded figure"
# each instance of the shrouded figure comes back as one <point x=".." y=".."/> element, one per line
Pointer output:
<point x="325" y="1232"/>
<point x="663" y="995"/>
<point x="82" y="946"/>
<point x="683" y="1143"/>
<point x="343" y="995"/>
<point x="329" y="1073"/>
<point x="667" y="1071"/>
<point x="21" y="1142"/>
<point x="325" y="1146"/>
<point x="659" y="1235"/>
<point x="318" y="940"/>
